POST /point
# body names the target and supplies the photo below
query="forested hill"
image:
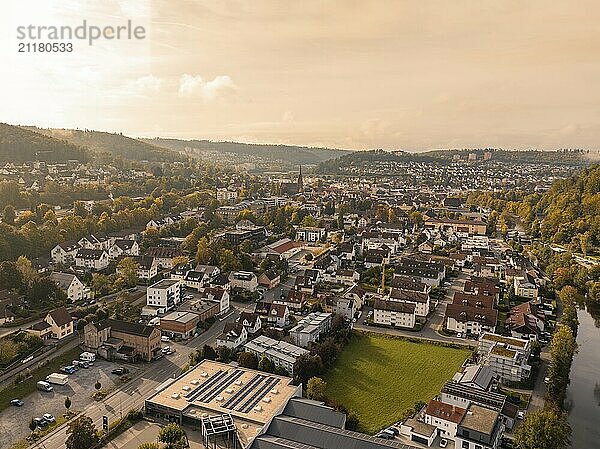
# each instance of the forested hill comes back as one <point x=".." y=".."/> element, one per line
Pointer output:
<point x="284" y="153"/>
<point x="362" y="158"/>
<point x="567" y="214"/>
<point x="115" y="144"/>
<point x="19" y="145"/>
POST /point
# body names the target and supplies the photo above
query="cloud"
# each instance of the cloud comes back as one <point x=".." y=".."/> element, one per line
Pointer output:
<point x="146" y="85"/>
<point x="196" y="86"/>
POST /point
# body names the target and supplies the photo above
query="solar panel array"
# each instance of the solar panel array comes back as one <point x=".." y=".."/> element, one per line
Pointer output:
<point x="258" y="395"/>
<point x="190" y="396"/>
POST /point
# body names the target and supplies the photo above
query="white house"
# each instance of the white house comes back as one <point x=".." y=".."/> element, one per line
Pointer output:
<point x="234" y="335"/>
<point x="445" y="417"/>
<point x="71" y="284"/>
<point x="525" y="286"/>
<point x="64" y="253"/>
<point x="124" y="248"/>
<point x="216" y="294"/>
<point x="92" y="259"/>
<point x="162" y="296"/>
<point x="251" y="321"/>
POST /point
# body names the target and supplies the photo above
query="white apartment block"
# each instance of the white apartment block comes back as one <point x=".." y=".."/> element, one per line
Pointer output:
<point x="163" y="296"/>
<point x="279" y="352"/>
<point x="394" y="313"/>
<point x="310" y="328"/>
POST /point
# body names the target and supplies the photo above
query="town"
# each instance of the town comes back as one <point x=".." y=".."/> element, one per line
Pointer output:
<point x="238" y="311"/>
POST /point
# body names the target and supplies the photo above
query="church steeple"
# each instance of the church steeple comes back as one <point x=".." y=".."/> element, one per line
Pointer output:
<point x="300" y="181"/>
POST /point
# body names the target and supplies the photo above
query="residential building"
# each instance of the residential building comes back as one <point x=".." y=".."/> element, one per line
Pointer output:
<point x="124" y="247"/>
<point x="162" y="296"/>
<point x="394" y="313"/>
<point x="445" y="417"/>
<point x="164" y="255"/>
<point x="277" y="315"/>
<point x="470" y="320"/>
<point x="71" y="284"/>
<point x="525" y="320"/>
<point x="525" y="286"/>
<point x="251" y="321"/>
<point x="419" y="299"/>
<point x="269" y="279"/>
<point x="507" y="357"/>
<point x="243" y="280"/>
<point x="57" y="324"/>
<point x="310" y="234"/>
<point x="480" y="428"/>
<point x="120" y="340"/>
<point x="234" y="335"/>
<point x="64" y="253"/>
<point x="310" y="328"/>
<point x="279" y="352"/>
<point x="92" y="259"/>
<point x="217" y="295"/>
<point x="475" y="376"/>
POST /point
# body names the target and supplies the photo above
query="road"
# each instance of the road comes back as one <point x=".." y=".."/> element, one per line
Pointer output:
<point x="132" y="395"/>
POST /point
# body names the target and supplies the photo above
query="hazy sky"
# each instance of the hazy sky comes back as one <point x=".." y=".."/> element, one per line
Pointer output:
<point x="351" y="74"/>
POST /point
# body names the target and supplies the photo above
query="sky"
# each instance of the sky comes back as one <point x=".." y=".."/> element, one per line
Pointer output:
<point x="411" y="75"/>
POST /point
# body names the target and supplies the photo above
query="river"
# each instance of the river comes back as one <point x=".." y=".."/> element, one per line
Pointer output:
<point x="583" y="394"/>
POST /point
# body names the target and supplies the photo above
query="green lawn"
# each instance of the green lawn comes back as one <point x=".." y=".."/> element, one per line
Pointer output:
<point x="379" y="378"/>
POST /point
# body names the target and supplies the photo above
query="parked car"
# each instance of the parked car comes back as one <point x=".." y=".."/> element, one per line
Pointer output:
<point x="49" y="418"/>
<point x="17" y="403"/>
<point x="120" y="371"/>
<point x="546" y="380"/>
<point x="443" y="442"/>
<point x="68" y="369"/>
<point x="459" y="335"/>
<point x="521" y="414"/>
<point x="395" y="431"/>
<point x="165" y="338"/>
<point x="386" y="435"/>
<point x="41" y="422"/>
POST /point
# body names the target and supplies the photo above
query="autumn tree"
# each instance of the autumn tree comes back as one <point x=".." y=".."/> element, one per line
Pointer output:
<point x="544" y="429"/>
<point x="315" y="389"/>
<point x="82" y="434"/>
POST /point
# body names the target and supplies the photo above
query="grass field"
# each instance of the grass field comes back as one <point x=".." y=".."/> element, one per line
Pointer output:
<point x="379" y="378"/>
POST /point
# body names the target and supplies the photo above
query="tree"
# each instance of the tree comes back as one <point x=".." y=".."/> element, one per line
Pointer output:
<point x="307" y="366"/>
<point x="228" y="261"/>
<point x="67" y="403"/>
<point x="562" y="349"/>
<point x="208" y="352"/>
<point x="82" y="434"/>
<point x="224" y="354"/>
<point x="8" y="215"/>
<point x="544" y="429"/>
<point x="266" y="365"/>
<point x="10" y="276"/>
<point x="173" y="436"/>
<point x="97" y="385"/>
<point x="204" y="254"/>
<point x="32" y="425"/>
<point x="127" y="269"/>
<point x="315" y="389"/>
<point x="28" y="273"/>
<point x="248" y="360"/>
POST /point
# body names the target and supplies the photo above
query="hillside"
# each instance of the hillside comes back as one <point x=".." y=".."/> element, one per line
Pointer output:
<point x="115" y="144"/>
<point x="19" y="145"/>
<point x="367" y="158"/>
<point x="274" y="153"/>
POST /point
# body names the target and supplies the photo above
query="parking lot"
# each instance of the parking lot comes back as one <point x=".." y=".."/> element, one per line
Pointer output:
<point x="14" y="421"/>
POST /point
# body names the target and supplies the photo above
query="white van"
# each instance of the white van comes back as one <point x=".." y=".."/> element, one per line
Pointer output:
<point x="165" y="338"/>
<point x="89" y="357"/>
<point x="42" y="385"/>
